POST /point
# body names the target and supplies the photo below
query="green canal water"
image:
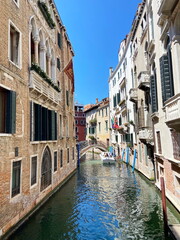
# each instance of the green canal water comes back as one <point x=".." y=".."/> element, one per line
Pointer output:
<point x="100" y="202"/>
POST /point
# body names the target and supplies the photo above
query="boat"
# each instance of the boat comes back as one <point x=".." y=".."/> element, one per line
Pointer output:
<point x="107" y="157"/>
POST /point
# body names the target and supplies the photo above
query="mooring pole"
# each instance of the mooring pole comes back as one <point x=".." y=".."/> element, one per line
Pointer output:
<point x="134" y="160"/>
<point x="127" y="155"/>
<point x="164" y="206"/>
<point x="78" y="155"/>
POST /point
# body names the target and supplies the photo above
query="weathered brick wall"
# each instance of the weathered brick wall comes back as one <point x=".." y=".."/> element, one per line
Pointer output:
<point x="13" y="78"/>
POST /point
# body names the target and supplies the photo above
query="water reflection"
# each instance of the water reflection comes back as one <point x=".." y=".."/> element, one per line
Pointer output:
<point x="100" y="202"/>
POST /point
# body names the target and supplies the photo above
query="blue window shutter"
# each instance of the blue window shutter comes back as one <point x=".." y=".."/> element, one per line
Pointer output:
<point x="11" y="112"/>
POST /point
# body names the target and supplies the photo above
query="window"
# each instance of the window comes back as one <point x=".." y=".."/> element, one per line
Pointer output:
<point x="61" y="158"/>
<point x="76" y="121"/>
<point x="60" y="125"/>
<point x="55" y="161"/>
<point x="67" y="98"/>
<point x="14" y="45"/>
<point x="68" y="155"/>
<point x="58" y="63"/>
<point x="46" y="169"/>
<point x="167" y="84"/>
<point x="43" y="123"/>
<point x="154" y="96"/>
<point x="73" y="153"/>
<point x="159" y="142"/>
<point x="59" y="39"/>
<point x="76" y="129"/>
<point x="7" y="111"/>
<point x="33" y="170"/>
<point x="82" y="122"/>
<point x="176" y="144"/>
<point x="16" y="178"/>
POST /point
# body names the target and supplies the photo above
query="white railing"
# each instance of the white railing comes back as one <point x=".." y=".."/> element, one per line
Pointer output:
<point x="42" y="87"/>
<point x="146" y="134"/>
<point x="172" y="107"/>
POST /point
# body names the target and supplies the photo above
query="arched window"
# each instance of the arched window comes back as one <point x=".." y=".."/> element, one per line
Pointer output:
<point x="48" y="59"/>
<point x="46" y="169"/>
<point x="53" y="66"/>
<point x="41" y="51"/>
<point x="33" y="38"/>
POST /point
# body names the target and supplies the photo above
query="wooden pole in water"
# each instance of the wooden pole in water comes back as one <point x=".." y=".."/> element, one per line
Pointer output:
<point x="164" y="206"/>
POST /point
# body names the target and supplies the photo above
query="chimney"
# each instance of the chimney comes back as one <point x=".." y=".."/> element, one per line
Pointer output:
<point x="110" y="71"/>
<point x="96" y="100"/>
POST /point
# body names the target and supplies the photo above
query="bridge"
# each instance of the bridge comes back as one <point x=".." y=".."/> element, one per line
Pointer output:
<point x="84" y="146"/>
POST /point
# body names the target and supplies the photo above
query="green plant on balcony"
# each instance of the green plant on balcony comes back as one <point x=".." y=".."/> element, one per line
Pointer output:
<point x="42" y="74"/>
<point x="93" y="122"/>
<point x="92" y="138"/>
<point x="131" y="122"/>
<point x="44" y="9"/>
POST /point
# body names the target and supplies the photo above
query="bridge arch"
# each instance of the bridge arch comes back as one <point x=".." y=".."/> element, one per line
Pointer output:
<point x="86" y="145"/>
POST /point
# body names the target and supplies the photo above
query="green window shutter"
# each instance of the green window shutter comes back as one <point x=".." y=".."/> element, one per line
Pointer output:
<point x="31" y="121"/>
<point x="58" y="63"/>
<point x="118" y="97"/>
<point x="11" y="112"/>
<point x="166" y="78"/>
<point x="59" y="39"/>
<point x="49" y="123"/>
<point x="67" y="98"/>
<point x="154" y="102"/>
<point x="55" y="124"/>
<point x="128" y="138"/>
<point x="44" y="123"/>
<point x="38" y="122"/>
<point x="120" y="121"/>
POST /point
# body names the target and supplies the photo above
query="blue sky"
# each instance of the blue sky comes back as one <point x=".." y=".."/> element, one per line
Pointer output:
<point x="95" y="29"/>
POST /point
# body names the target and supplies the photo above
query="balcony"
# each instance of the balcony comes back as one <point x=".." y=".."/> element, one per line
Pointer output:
<point x="123" y="83"/>
<point x="146" y="135"/>
<point x="43" y="88"/>
<point x="133" y="95"/>
<point x="172" y="109"/>
<point x="144" y="81"/>
<point x="166" y="7"/>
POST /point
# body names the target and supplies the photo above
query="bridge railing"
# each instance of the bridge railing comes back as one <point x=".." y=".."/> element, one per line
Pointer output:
<point x="85" y="144"/>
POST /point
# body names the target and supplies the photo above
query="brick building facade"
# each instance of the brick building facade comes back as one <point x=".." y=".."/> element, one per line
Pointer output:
<point x="37" y="135"/>
<point x="80" y="121"/>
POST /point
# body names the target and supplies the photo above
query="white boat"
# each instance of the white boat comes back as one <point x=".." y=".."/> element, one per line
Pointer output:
<point x="107" y="157"/>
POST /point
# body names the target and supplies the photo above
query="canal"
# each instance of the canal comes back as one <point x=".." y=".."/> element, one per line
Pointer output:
<point x="100" y="202"/>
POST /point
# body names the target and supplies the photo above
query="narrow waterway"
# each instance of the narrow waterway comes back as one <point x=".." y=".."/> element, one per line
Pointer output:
<point x="100" y="202"/>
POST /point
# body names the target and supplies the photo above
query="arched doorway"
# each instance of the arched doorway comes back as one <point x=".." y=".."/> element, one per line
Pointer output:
<point x="46" y="169"/>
